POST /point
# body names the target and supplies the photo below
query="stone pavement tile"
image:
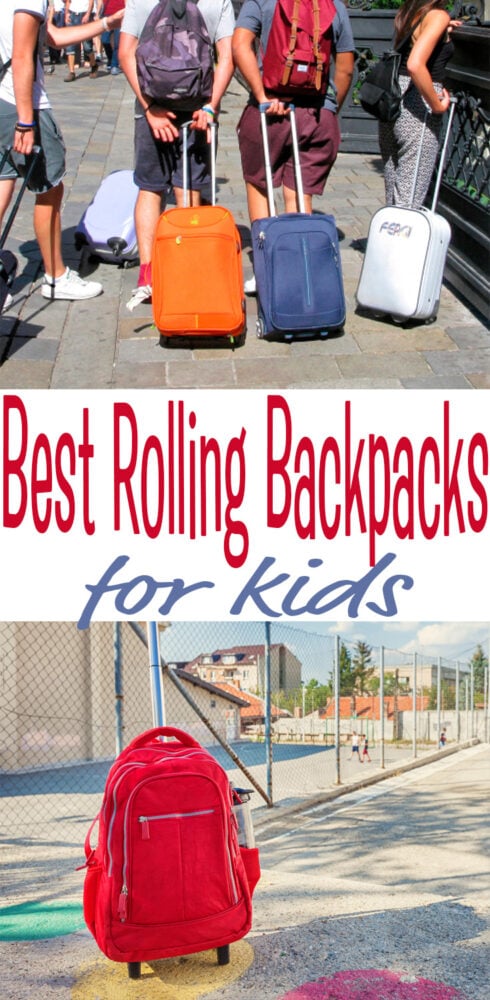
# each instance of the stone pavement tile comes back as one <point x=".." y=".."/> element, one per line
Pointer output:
<point x="469" y="337"/>
<point x="33" y="349"/>
<point x="392" y="365"/>
<point x="200" y="375"/>
<point x="26" y="374"/>
<point x="399" y="339"/>
<point x="137" y="327"/>
<point x="479" y="381"/>
<point x="286" y="373"/>
<point x="468" y="362"/>
<point x="87" y="350"/>
<point x="438" y="382"/>
<point x="140" y="376"/>
<point x="144" y="351"/>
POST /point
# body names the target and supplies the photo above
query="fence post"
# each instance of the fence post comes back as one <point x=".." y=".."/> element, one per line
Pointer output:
<point x="382" y="704"/>
<point x="472" y="699"/>
<point x="414" y="706"/>
<point x="267" y="699"/>
<point x="456" y="705"/>
<point x="485" y="702"/>
<point x="438" y="700"/>
<point x="338" y="780"/>
<point x="156" y="678"/>
<point x="118" y="686"/>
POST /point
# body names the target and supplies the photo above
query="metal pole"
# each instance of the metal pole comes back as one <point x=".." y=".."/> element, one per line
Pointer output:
<point x="338" y="780"/>
<point x="303" y="710"/>
<point x="118" y="686"/>
<point x="414" y="705"/>
<point x="456" y="706"/>
<point x="268" y="732"/>
<point x="156" y="678"/>
<point x="485" y="704"/>
<point x="467" y="705"/>
<point x="438" y="699"/>
<point x="472" y="698"/>
<point x="382" y="704"/>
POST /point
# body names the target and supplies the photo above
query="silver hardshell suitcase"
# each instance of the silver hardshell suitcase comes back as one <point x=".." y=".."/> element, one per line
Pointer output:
<point x="405" y="256"/>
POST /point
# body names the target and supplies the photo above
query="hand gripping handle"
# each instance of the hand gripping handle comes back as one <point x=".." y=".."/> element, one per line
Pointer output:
<point x="152" y="734"/>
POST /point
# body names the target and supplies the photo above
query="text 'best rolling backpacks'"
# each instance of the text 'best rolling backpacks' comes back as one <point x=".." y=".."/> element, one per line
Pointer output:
<point x="107" y="226"/>
<point x="405" y="255"/>
<point x="296" y="261"/>
<point x="168" y="876"/>
<point x="197" y="274"/>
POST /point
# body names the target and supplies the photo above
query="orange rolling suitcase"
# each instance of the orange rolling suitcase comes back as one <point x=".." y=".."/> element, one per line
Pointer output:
<point x="197" y="274"/>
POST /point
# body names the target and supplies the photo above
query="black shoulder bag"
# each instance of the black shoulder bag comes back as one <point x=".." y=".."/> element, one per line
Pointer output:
<point x="380" y="93"/>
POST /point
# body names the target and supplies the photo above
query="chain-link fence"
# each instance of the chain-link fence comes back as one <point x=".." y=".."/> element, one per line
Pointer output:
<point x="279" y="705"/>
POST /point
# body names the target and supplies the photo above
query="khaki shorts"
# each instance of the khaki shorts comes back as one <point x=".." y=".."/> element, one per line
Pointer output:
<point x="51" y="167"/>
<point x="318" y="137"/>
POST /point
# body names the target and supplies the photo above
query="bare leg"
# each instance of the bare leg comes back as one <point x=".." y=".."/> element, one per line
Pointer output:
<point x="258" y="206"/>
<point x="47" y="227"/>
<point x="291" y="201"/>
<point x="6" y="192"/>
<point x="146" y="215"/>
<point x="179" y="197"/>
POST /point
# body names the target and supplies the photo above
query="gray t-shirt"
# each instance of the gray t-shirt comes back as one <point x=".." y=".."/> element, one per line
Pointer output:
<point x="38" y="8"/>
<point x="218" y="15"/>
<point x="256" y="16"/>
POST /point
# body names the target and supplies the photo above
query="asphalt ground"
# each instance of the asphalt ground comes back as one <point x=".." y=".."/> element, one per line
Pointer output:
<point x="99" y="344"/>
<point x="381" y="893"/>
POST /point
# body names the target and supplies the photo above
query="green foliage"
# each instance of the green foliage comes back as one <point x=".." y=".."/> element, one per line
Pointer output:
<point x="479" y="661"/>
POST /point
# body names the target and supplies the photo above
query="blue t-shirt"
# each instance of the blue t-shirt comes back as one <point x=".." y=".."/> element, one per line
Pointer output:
<point x="256" y="16"/>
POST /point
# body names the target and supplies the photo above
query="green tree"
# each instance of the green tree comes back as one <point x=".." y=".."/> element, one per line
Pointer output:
<point x="347" y="675"/>
<point x="479" y="662"/>
<point x="363" y="672"/>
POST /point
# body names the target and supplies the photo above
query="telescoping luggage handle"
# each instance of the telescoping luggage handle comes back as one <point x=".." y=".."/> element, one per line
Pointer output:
<point x="152" y="734"/>
<point x="442" y="157"/>
<point x="212" y="153"/>
<point x="36" y="150"/>
<point x="297" y="166"/>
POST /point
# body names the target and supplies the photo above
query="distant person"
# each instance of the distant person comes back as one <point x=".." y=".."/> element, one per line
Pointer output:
<point x="424" y="57"/>
<point x="365" y="749"/>
<point x="79" y="12"/>
<point x="442" y="739"/>
<point x="355" y="747"/>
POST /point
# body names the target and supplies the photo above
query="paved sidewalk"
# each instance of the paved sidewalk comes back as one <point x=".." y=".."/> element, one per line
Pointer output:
<point x="99" y="344"/>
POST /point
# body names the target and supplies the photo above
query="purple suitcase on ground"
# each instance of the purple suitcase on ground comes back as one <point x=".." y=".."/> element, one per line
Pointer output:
<point x="107" y="226"/>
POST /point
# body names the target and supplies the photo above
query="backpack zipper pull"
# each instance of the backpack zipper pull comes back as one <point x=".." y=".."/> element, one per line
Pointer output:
<point x="123" y="904"/>
<point x="145" y="827"/>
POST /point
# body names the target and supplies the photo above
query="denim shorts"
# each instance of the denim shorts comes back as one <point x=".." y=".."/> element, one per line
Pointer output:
<point x="159" y="165"/>
<point x="71" y="21"/>
<point x="319" y="141"/>
<point x="51" y="167"/>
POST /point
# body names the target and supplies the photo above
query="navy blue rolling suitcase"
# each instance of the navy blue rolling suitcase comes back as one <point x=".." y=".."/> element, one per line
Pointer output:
<point x="296" y="261"/>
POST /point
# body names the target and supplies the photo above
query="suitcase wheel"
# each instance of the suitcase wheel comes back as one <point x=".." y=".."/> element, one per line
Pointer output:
<point x="134" y="970"/>
<point x="398" y="320"/>
<point x="80" y="241"/>
<point x="323" y="334"/>
<point x="259" y="329"/>
<point x="223" y="953"/>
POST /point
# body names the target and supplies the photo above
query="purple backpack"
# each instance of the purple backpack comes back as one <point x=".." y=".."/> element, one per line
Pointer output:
<point x="175" y="57"/>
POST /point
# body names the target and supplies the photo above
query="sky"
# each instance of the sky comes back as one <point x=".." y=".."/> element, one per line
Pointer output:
<point x="450" y="640"/>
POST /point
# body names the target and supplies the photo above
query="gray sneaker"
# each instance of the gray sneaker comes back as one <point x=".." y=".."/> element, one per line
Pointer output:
<point x="71" y="287"/>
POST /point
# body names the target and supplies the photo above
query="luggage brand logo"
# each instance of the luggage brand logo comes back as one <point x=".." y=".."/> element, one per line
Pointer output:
<point x="395" y="229"/>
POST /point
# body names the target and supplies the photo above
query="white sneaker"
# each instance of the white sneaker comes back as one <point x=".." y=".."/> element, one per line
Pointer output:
<point x="250" y="286"/>
<point x="71" y="287"/>
<point x="7" y="303"/>
<point x="141" y="294"/>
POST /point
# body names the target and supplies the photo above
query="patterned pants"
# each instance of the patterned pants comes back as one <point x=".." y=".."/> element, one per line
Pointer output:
<point x="399" y="143"/>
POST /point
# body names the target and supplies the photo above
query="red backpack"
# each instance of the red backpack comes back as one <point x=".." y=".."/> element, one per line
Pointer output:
<point x="167" y="877"/>
<point x="296" y="61"/>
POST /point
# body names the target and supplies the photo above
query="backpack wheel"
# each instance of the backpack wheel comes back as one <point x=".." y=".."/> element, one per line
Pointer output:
<point x="223" y="953"/>
<point x="134" y="970"/>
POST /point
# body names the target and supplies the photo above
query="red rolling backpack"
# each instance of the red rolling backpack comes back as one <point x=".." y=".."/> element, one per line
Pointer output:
<point x="168" y="876"/>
